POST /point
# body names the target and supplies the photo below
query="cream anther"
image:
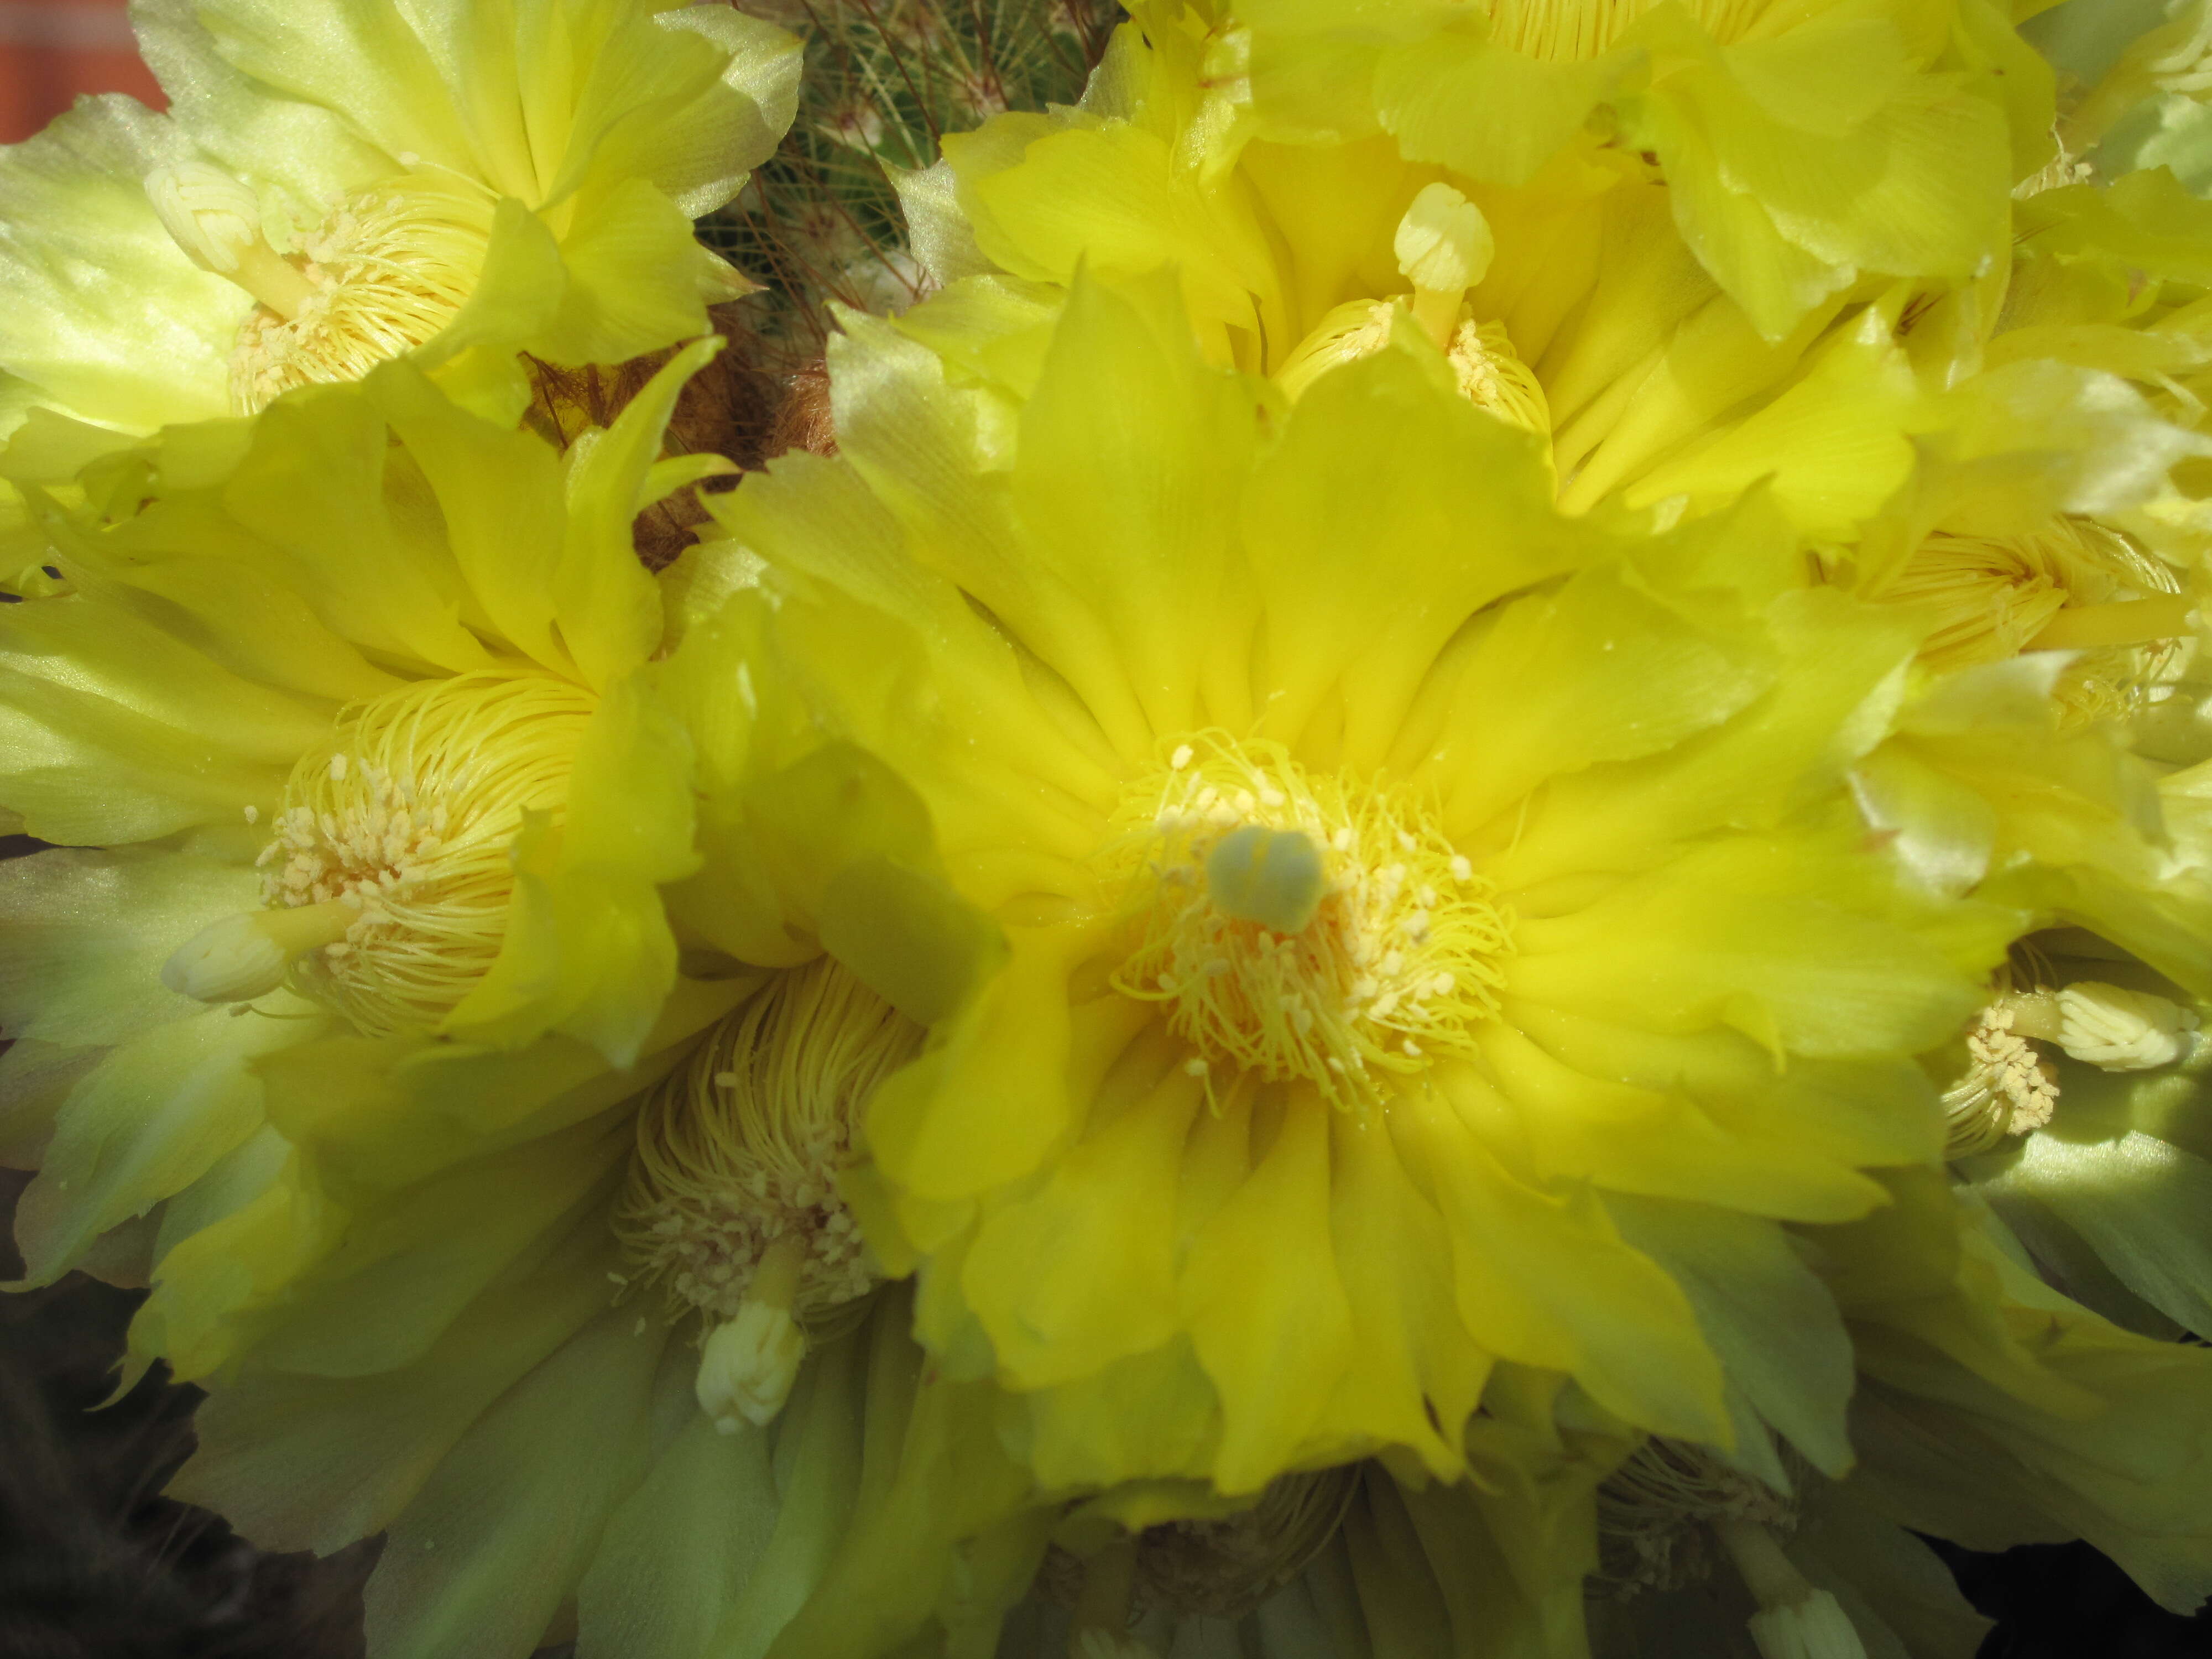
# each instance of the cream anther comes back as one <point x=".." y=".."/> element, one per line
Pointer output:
<point x="749" y="1364"/>
<point x="1444" y="247"/>
<point x="2007" y="1087"/>
<point x="216" y="222"/>
<point x="2122" y="1030"/>
<point x="245" y="957"/>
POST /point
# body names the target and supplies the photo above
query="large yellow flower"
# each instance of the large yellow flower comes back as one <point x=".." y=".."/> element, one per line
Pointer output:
<point x="336" y="184"/>
<point x="1566" y="299"/>
<point x="1393" y="872"/>
<point x="1803" y="145"/>
<point x="596" y="1341"/>
<point x="337" y="720"/>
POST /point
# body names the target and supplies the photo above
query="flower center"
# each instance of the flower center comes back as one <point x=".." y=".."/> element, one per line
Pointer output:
<point x="731" y="1202"/>
<point x="405" y="823"/>
<point x="1224" y="1568"/>
<point x="1655" y="1512"/>
<point x="388" y="878"/>
<point x="1302" y="926"/>
<point x="1674" y="1513"/>
<point x="1216" y="1568"/>
<point x="2074" y="585"/>
<point x="2007" y="1089"/>
<point x="382" y="273"/>
<point x="1444" y="247"/>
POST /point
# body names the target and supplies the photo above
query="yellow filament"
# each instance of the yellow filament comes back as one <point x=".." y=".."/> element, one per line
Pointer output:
<point x="384" y="272"/>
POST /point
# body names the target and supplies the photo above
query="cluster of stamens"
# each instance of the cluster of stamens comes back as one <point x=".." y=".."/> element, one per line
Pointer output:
<point x="1296" y="926"/>
<point x="2074" y="585"/>
<point x="2185" y="66"/>
<point x="1657" y="1512"/>
<point x="2007" y="1089"/>
<point x="383" y="272"/>
<point x="1445" y="248"/>
<point x="406" y="820"/>
<point x="739" y="1151"/>
<point x="2010" y="1088"/>
<point x="1224" y="1568"/>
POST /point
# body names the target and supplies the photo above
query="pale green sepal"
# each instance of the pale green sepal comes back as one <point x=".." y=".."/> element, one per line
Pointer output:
<point x="2139" y="1201"/>
<point x="500" y="1533"/>
<point x="313" y="1463"/>
<point x="150" y="1120"/>
<point x="1773" y="1324"/>
<point x="680" y="1552"/>
<point x="411" y="1261"/>
<point x="36" y="1081"/>
<point x="1897" y="1590"/>
<point x="89" y="932"/>
<point x="819" y="1449"/>
<point x="233" y="1181"/>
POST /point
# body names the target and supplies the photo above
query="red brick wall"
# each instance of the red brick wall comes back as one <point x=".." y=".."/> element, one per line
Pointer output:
<point x="51" y="51"/>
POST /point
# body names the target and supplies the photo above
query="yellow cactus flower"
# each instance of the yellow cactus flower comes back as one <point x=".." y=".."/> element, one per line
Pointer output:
<point x="337" y="186"/>
<point x="1567" y="302"/>
<point x="1369" y="938"/>
<point x="1803" y="146"/>
<point x="454" y="1251"/>
<point x="338" y="722"/>
<point x="490" y="1294"/>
